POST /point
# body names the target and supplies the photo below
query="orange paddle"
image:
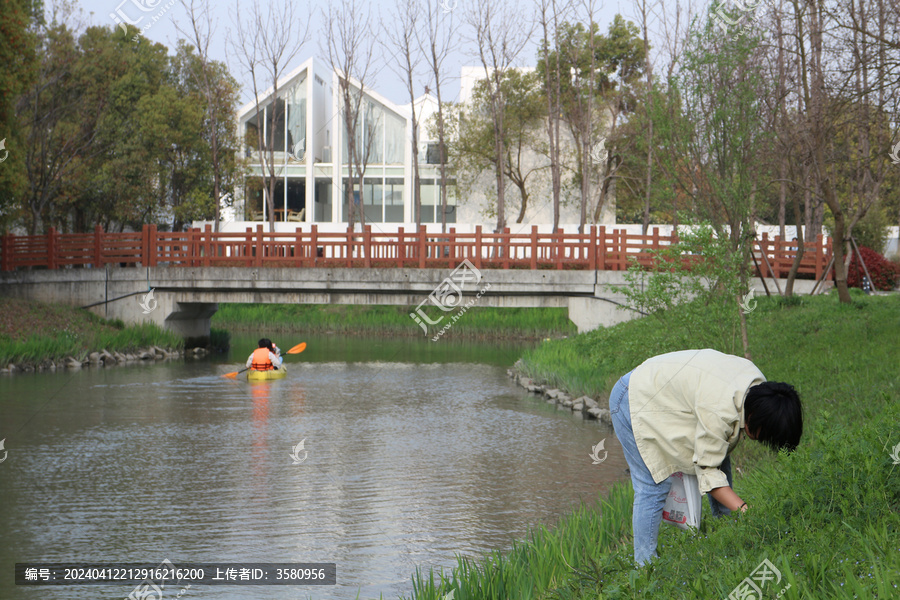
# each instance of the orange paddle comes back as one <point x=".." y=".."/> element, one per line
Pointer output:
<point x="235" y="374"/>
<point x="295" y="350"/>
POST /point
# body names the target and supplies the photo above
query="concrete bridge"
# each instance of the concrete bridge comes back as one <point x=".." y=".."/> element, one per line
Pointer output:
<point x="185" y="298"/>
<point x="436" y="275"/>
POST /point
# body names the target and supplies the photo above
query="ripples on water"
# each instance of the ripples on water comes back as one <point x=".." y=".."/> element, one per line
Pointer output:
<point x="408" y="464"/>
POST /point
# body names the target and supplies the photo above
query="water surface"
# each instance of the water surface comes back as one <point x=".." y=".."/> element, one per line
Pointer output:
<point x="414" y="451"/>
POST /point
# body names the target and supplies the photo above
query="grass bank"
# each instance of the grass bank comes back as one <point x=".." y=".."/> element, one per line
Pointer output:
<point x="827" y="516"/>
<point x="529" y="323"/>
<point x="32" y="332"/>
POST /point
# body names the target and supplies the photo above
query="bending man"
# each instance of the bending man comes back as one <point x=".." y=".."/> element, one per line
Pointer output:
<point x="685" y="411"/>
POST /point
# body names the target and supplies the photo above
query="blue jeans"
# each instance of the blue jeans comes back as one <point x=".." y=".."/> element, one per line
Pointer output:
<point x="649" y="496"/>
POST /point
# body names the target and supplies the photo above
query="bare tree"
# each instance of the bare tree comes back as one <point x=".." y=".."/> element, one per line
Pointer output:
<point x="792" y="171"/>
<point x="500" y="35"/>
<point x="266" y="41"/>
<point x="643" y="12"/>
<point x="587" y="124"/>
<point x="435" y="41"/>
<point x="402" y="35"/>
<point x="350" y="47"/>
<point x="871" y="60"/>
<point x="200" y="32"/>
<point x="817" y="141"/>
<point x="550" y="14"/>
<point x="847" y="91"/>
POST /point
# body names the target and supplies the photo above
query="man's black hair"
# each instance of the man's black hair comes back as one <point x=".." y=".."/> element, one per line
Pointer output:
<point x="774" y="415"/>
<point x="265" y="343"/>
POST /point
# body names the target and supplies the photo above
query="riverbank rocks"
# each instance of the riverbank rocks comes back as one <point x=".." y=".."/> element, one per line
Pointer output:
<point x="587" y="407"/>
<point x="103" y="358"/>
<point x="588" y="402"/>
<point x="601" y="414"/>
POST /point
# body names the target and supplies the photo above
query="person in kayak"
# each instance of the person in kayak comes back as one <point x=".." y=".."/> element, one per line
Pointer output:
<point x="685" y="411"/>
<point x="265" y="357"/>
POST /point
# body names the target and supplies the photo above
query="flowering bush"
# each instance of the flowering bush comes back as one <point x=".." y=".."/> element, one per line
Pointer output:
<point x="885" y="274"/>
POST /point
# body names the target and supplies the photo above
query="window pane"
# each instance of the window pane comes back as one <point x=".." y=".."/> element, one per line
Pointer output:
<point x="323" y="200"/>
<point x="374" y="134"/>
<point x="393" y="193"/>
<point x="395" y="141"/>
<point x="297" y="120"/>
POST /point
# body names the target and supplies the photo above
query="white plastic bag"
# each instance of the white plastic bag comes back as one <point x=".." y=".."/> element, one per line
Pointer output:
<point x="682" y="507"/>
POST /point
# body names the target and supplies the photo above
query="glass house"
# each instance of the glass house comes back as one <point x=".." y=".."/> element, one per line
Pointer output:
<point x="300" y="135"/>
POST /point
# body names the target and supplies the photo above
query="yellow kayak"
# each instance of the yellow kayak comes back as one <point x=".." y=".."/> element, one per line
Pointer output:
<point x="266" y="375"/>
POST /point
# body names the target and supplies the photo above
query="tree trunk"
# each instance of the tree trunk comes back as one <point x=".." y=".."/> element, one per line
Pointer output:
<point x="837" y="245"/>
<point x="792" y="274"/>
<point x="441" y="157"/>
<point x="499" y="152"/>
<point x="745" y="342"/>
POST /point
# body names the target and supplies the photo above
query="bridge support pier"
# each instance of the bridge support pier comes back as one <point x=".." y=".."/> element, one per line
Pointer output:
<point x="590" y="313"/>
<point x="191" y="320"/>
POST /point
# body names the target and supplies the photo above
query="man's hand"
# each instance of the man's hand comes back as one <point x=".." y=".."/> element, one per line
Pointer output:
<point x="726" y="496"/>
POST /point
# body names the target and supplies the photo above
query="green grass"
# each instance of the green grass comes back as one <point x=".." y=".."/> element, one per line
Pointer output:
<point x="78" y="333"/>
<point x="827" y="516"/>
<point x="394" y="320"/>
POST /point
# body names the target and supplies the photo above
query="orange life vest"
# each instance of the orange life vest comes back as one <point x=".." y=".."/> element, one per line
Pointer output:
<point x="261" y="360"/>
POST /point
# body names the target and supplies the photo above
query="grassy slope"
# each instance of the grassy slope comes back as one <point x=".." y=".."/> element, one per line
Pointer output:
<point x="827" y="516"/>
<point x="477" y="321"/>
<point x="33" y="331"/>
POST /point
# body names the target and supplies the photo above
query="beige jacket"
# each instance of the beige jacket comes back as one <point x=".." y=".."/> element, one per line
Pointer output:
<point x="687" y="412"/>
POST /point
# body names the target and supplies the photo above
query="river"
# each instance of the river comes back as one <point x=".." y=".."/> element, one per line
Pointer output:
<point x="413" y="451"/>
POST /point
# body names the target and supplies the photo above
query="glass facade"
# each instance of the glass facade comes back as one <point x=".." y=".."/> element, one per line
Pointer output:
<point x="381" y="197"/>
<point x="380" y="133"/>
<point x="306" y="192"/>
<point x="285" y="138"/>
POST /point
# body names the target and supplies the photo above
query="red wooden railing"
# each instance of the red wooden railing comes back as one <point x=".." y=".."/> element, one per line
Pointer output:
<point x="598" y="248"/>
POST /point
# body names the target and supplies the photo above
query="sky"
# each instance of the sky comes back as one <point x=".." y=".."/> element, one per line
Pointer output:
<point x="165" y="16"/>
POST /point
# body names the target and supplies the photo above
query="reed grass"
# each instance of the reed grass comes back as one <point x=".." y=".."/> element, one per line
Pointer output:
<point x="535" y="566"/>
<point x="219" y="339"/>
<point x="531" y="323"/>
